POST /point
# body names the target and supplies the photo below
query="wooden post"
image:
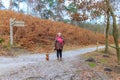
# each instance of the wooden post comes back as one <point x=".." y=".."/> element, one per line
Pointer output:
<point x="97" y="46"/>
<point x="11" y="31"/>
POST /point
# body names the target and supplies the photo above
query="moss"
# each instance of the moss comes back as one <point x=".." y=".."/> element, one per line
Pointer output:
<point x="92" y="64"/>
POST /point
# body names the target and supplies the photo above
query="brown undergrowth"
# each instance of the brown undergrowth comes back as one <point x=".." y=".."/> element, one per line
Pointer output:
<point x="38" y="34"/>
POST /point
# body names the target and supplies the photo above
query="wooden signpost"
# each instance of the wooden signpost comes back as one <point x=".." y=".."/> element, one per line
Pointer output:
<point x="13" y="23"/>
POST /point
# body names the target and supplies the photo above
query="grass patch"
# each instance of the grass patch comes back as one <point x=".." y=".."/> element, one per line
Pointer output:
<point x="8" y="46"/>
<point x="102" y="51"/>
<point x="103" y="61"/>
<point x="92" y="64"/>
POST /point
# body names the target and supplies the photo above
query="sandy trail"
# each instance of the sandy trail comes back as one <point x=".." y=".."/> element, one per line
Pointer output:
<point x="35" y="67"/>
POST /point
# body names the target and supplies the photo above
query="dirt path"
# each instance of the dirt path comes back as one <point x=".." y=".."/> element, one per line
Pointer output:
<point x="34" y="67"/>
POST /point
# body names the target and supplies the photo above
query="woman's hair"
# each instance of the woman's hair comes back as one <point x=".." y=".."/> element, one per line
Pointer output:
<point x="59" y="34"/>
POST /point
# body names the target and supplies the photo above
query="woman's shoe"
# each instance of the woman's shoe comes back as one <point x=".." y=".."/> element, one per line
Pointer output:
<point x="60" y="59"/>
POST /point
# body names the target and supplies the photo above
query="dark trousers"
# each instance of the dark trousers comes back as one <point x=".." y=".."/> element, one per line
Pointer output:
<point x="59" y="53"/>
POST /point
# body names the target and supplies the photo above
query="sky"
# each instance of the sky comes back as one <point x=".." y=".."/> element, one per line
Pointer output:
<point x="6" y="3"/>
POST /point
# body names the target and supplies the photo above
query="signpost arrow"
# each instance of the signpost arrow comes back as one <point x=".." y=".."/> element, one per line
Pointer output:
<point x="19" y="23"/>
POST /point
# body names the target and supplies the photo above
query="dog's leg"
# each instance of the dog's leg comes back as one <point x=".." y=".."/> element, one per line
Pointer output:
<point x="47" y="56"/>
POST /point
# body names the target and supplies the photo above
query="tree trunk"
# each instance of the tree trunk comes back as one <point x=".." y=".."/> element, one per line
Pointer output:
<point x="18" y="5"/>
<point x="115" y="35"/>
<point x="27" y="6"/>
<point x="107" y="32"/>
<point x="10" y="5"/>
<point x="115" y="31"/>
<point x="58" y="11"/>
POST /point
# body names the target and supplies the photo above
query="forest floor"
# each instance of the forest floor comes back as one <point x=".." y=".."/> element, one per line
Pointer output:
<point x="76" y="65"/>
<point x="105" y="63"/>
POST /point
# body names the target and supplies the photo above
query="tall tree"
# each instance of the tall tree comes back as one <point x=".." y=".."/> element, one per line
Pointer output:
<point x="17" y="4"/>
<point x="11" y="5"/>
<point x="115" y="30"/>
<point x="82" y="10"/>
<point x="107" y="31"/>
<point x="50" y="9"/>
<point x="30" y="6"/>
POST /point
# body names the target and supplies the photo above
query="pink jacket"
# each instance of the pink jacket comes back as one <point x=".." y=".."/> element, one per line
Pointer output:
<point x="59" y="43"/>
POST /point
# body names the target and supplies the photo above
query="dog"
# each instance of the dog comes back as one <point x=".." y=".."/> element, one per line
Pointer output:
<point x="47" y="57"/>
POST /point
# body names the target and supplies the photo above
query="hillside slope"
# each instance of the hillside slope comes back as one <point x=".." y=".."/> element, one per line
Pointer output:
<point x="39" y="34"/>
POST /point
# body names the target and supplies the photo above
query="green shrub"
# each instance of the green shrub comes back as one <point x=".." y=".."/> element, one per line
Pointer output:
<point x="1" y="40"/>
